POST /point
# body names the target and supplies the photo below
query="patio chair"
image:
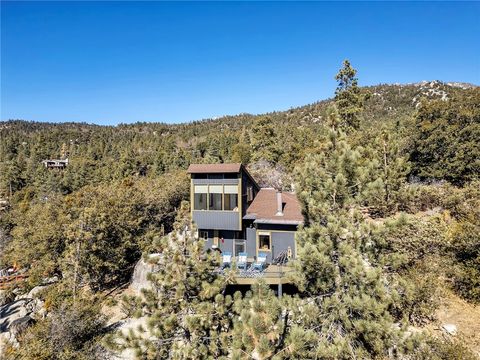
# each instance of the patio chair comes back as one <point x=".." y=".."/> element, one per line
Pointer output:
<point x="242" y="261"/>
<point x="226" y="259"/>
<point x="261" y="262"/>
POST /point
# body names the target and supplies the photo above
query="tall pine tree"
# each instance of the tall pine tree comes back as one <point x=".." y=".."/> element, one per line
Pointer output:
<point x="390" y="167"/>
<point x="349" y="299"/>
<point x="348" y="96"/>
<point x="186" y="310"/>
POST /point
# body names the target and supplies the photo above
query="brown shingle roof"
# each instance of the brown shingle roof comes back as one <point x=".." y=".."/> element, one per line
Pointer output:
<point x="264" y="207"/>
<point x="213" y="168"/>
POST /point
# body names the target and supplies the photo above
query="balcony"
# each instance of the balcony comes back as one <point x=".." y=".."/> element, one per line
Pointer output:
<point x="272" y="275"/>
<point x="279" y="271"/>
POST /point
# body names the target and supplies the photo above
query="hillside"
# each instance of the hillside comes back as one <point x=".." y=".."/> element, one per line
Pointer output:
<point x="388" y="253"/>
<point x="104" y="153"/>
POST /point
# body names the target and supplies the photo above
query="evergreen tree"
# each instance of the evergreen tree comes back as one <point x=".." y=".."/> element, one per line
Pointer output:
<point x="187" y="312"/>
<point x="348" y="96"/>
<point x="447" y="134"/>
<point x="263" y="140"/>
<point x="241" y="153"/>
<point x="352" y="318"/>
<point x="260" y="325"/>
<point x="390" y="168"/>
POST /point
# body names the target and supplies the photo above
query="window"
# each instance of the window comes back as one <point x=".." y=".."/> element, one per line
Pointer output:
<point x="200" y="197"/>
<point x="230" y="197"/>
<point x="239" y="247"/>
<point x="250" y="193"/>
<point x="215" y="197"/>
<point x="202" y="234"/>
<point x="264" y="241"/>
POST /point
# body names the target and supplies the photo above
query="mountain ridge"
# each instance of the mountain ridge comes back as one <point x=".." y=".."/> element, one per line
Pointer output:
<point x="423" y="85"/>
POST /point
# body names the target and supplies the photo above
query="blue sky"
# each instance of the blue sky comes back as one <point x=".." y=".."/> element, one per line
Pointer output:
<point x="113" y="62"/>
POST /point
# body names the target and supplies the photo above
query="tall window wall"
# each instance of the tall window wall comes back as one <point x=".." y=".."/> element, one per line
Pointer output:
<point x="216" y="197"/>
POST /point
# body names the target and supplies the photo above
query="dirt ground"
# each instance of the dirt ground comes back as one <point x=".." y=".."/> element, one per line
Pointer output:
<point x="465" y="316"/>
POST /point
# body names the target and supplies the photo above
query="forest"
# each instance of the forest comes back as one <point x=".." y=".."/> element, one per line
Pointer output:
<point x="388" y="180"/>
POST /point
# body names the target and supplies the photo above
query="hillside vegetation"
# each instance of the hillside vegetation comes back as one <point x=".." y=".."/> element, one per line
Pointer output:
<point x="388" y="179"/>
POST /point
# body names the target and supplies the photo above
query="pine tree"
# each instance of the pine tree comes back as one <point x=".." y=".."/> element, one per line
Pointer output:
<point x="187" y="312"/>
<point x="386" y="162"/>
<point x="242" y="151"/>
<point x="350" y="317"/>
<point x="263" y="141"/>
<point x="260" y="325"/>
<point x="348" y="96"/>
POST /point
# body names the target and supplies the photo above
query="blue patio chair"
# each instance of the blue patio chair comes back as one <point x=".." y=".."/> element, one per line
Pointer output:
<point x="242" y="261"/>
<point x="226" y="259"/>
<point x="261" y="262"/>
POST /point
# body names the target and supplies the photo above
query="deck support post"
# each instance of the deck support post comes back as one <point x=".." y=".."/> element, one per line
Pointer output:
<point x="280" y="285"/>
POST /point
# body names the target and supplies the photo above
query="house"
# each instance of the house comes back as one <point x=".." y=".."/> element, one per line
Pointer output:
<point x="55" y="164"/>
<point x="232" y="213"/>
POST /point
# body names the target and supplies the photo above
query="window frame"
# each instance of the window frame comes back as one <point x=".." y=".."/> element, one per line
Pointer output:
<point x="195" y="193"/>
<point x="229" y="190"/>
<point x="210" y="193"/>
<point x="201" y="233"/>
<point x="222" y="194"/>
<point x="264" y="233"/>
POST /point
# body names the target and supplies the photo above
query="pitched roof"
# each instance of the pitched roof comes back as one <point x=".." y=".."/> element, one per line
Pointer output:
<point x="214" y="168"/>
<point x="264" y="208"/>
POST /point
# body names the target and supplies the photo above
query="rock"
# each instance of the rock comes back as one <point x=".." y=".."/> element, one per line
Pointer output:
<point x="20" y="325"/>
<point x="36" y="290"/>
<point x="50" y="280"/>
<point x="450" y="329"/>
<point x="7" y="339"/>
<point x="13" y="311"/>
<point x="139" y="277"/>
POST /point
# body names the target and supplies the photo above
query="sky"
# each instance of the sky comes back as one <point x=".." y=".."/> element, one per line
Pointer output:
<point x="123" y="62"/>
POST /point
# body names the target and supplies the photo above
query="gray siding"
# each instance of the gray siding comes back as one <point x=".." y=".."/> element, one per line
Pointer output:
<point x="251" y="242"/>
<point x="281" y="241"/>
<point x="226" y="244"/>
<point x="216" y="220"/>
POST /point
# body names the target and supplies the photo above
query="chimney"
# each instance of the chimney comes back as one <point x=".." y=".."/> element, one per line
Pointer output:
<point x="279" y="203"/>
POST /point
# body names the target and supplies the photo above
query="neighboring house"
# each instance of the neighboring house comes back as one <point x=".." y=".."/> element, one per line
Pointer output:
<point x="234" y="214"/>
<point x="55" y="164"/>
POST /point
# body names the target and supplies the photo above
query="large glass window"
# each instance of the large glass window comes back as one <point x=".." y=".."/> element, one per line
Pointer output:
<point x="264" y="241"/>
<point x="215" y="197"/>
<point x="230" y="197"/>
<point x="200" y="197"/>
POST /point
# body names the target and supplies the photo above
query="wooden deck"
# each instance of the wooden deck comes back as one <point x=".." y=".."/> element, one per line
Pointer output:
<point x="272" y="275"/>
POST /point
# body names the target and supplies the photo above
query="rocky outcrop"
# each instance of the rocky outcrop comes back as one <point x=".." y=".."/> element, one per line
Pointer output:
<point x="16" y="316"/>
<point x="140" y="273"/>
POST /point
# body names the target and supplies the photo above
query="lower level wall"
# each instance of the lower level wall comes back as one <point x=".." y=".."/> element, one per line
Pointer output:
<point x="281" y="240"/>
<point x="226" y="240"/>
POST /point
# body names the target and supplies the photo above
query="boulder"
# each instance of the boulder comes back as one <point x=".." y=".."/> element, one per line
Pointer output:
<point x="450" y="329"/>
<point x="140" y="273"/>
<point x="35" y="291"/>
<point x="20" y="325"/>
<point x="50" y="280"/>
<point x="13" y="311"/>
